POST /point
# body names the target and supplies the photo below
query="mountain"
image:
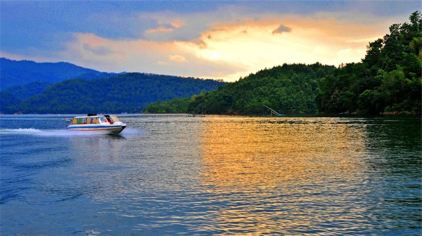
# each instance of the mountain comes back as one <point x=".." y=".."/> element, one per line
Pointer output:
<point x="17" y="73"/>
<point x="287" y="89"/>
<point x="125" y="92"/>
<point x="387" y="81"/>
<point x="27" y="90"/>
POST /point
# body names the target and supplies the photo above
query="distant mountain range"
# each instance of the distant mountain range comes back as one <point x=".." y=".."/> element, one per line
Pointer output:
<point x="17" y="73"/>
<point x="31" y="87"/>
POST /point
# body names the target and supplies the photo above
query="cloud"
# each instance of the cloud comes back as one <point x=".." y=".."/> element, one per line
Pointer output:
<point x="19" y="57"/>
<point x="227" y="50"/>
<point x="39" y="27"/>
<point x="98" y="50"/>
<point x="177" y="58"/>
<point x="165" y="27"/>
<point x="282" y="28"/>
<point x="169" y="57"/>
<point x="223" y="43"/>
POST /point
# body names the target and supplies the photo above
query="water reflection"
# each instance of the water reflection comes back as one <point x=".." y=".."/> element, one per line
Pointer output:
<point x="396" y="150"/>
<point x="97" y="147"/>
<point x="279" y="174"/>
<point x="254" y="154"/>
<point x="213" y="175"/>
<point x="162" y="155"/>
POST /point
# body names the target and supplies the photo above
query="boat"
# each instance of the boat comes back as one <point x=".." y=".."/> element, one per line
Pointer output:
<point x="104" y="124"/>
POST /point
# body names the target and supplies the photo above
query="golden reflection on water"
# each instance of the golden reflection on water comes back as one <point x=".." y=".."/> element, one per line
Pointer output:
<point x="246" y="160"/>
<point x="257" y="154"/>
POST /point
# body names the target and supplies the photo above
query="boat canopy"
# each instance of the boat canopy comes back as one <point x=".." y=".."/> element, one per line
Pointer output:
<point x="94" y="119"/>
<point x="86" y="120"/>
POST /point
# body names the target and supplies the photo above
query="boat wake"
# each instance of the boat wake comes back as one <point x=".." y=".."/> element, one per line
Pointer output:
<point x="42" y="132"/>
<point x="20" y="131"/>
<point x="129" y="132"/>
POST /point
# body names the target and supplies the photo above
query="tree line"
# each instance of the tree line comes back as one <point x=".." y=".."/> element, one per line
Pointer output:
<point x="125" y="92"/>
<point x="387" y="81"/>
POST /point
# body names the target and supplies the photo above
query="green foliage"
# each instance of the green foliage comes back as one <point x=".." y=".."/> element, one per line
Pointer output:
<point x="128" y="92"/>
<point x="289" y="89"/>
<point x="7" y="102"/>
<point x="177" y="105"/>
<point x="26" y="91"/>
<point x="387" y="80"/>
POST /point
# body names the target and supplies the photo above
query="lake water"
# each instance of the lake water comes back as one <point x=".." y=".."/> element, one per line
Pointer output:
<point x="212" y="175"/>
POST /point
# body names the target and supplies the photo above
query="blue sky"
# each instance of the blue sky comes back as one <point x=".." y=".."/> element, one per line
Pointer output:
<point x="194" y="38"/>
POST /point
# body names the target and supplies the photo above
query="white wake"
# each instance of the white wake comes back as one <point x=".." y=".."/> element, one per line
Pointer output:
<point x="128" y="132"/>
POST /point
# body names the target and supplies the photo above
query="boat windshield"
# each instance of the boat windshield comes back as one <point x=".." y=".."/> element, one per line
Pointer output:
<point x="115" y="118"/>
<point x="103" y="120"/>
<point x="94" y="120"/>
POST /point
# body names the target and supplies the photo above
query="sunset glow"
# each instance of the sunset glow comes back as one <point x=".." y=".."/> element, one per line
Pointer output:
<point x="227" y="42"/>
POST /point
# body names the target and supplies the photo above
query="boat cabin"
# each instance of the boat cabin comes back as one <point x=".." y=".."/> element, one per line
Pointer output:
<point x="94" y="119"/>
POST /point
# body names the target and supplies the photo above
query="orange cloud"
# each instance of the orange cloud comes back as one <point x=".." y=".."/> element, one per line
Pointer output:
<point x="160" y="29"/>
<point x="168" y="57"/>
<point x="177" y="58"/>
<point x="228" y="49"/>
<point x="312" y="40"/>
<point x="165" y="28"/>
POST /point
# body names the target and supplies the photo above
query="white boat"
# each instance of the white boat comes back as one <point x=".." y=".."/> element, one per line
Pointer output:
<point x="104" y="124"/>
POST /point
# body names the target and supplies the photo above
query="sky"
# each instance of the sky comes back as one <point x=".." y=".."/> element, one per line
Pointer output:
<point x="209" y="39"/>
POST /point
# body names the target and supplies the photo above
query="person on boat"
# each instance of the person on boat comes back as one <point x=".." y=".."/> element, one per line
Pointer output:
<point x="104" y="120"/>
<point x="109" y="120"/>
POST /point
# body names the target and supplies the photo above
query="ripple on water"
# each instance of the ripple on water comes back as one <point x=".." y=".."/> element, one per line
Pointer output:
<point x="214" y="175"/>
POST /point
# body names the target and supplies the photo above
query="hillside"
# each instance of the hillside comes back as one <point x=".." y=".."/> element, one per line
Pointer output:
<point x="27" y="90"/>
<point x="18" y="73"/>
<point x="126" y="92"/>
<point x="287" y="89"/>
<point x="387" y="81"/>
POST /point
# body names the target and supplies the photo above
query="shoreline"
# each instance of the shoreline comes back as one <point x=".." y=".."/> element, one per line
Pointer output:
<point x="391" y="115"/>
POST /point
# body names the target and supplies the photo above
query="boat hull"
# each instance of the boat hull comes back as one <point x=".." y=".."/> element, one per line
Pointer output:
<point x="101" y="129"/>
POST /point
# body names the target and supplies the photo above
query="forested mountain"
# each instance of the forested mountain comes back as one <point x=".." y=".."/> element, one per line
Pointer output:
<point x="17" y="73"/>
<point x="125" y="92"/>
<point x="287" y="89"/>
<point x="27" y="90"/>
<point x="11" y="97"/>
<point x="388" y="80"/>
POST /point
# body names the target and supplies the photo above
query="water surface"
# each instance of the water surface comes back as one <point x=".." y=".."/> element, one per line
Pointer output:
<point x="211" y="175"/>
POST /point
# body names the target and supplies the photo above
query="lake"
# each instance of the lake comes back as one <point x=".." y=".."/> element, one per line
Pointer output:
<point x="186" y="175"/>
